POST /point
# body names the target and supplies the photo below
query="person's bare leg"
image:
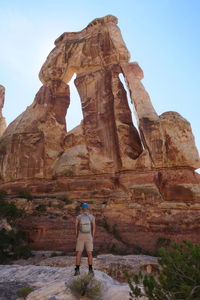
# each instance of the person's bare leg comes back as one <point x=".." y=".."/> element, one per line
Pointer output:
<point x="89" y="254"/>
<point x="78" y="261"/>
<point x="78" y="257"/>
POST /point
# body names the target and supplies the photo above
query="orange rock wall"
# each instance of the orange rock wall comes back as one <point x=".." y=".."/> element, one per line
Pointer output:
<point x="141" y="184"/>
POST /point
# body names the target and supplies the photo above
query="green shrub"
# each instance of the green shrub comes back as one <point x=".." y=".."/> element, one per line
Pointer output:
<point x="25" y="194"/>
<point x="10" y="211"/>
<point x="162" y="242"/>
<point x="179" y="278"/>
<point x="78" y="208"/>
<point x="40" y="208"/>
<point x="67" y="201"/>
<point x="24" y="292"/>
<point x="105" y="225"/>
<point x="54" y="254"/>
<point x="12" y="245"/>
<point x="86" y="285"/>
<point x="2" y="194"/>
<point x="116" y="233"/>
<point x="22" y="251"/>
<point x="114" y="249"/>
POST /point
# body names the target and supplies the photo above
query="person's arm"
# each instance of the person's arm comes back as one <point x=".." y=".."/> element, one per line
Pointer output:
<point x="93" y="227"/>
<point x="76" y="227"/>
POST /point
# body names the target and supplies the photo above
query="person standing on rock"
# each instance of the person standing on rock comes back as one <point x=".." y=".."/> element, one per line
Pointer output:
<point x="85" y="230"/>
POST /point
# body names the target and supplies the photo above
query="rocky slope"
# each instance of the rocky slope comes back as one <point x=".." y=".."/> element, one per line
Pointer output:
<point x="141" y="184"/>
<point x="50" y="283"/>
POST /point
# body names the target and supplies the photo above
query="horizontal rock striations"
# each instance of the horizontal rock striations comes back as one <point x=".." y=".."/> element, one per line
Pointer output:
<point x="141" y="183"/>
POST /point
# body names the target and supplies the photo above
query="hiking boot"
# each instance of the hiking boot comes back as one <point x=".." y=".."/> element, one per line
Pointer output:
<point x="91" y="272"/>
<point x="77" y="272"/>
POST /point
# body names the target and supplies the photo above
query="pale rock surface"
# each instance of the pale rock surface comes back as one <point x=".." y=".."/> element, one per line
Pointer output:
<point x="113" y="265"/>
<point x="54" y="283"/>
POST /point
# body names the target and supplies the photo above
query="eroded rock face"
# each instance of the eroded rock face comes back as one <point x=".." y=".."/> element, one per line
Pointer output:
<point x="141" y="185"/>
<point x="112" y="140"/>
<point x="98" y="45"/>
<point x="32" y="142"/>
<point x="168" y="138"/>
<point x="54" y="283"/>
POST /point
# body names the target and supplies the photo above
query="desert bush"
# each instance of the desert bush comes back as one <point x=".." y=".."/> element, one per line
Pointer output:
<point x="179" y="278"/>
<point x="12" y="245"/>
<point x="67" y="201"/>
<point x="105" y="225"/>
<point x="10" y="211"/>
<point x="78" y="208"/>
<point x="162" y="242"/>
<point x="22" y="251"/>
<point x="25" y="291"/>
<point x="40" y="208"/>
<point x="116" y="250"/>
<point x="54" y="254"/>
<point x="115" y="232"/>
<point x="86" y="285"/>
<point x="25" y="194"/>
<point x="2" y="194"/>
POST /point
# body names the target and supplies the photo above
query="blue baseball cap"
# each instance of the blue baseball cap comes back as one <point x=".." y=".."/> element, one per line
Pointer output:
<point x="84" y="206"/>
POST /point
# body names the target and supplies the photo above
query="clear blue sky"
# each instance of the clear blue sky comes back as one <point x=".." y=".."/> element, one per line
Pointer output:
<point x="163" y="36"/>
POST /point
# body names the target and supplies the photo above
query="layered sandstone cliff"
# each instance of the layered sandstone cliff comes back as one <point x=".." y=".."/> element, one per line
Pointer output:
<point x="142" y="185"/>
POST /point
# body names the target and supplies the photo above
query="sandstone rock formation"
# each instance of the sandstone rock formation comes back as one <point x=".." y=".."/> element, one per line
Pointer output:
<point x="53" y="283"/>
<point x="141" y="186"/>
<point x="113" y="265"/>
<point x="32" y="142"/>
<point x="94" y="54"/>
<point x="2" y="119"/>
<point x="168" y="137"/>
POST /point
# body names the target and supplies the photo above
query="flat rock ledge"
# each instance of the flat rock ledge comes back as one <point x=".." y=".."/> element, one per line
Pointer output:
<point x="52" y="283"/>
<point x="114" y="265"/>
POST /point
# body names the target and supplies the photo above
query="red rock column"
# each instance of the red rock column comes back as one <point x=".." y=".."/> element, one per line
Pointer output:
<point x="112" y="140"/>
<point x="99" y="123"/>
<point x="168" y="137"/>
<point x="130" y="146"/>
<point x="148" y="120"/>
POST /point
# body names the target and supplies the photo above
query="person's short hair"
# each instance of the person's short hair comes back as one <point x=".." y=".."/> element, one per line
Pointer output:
<point x="84" y="206"/>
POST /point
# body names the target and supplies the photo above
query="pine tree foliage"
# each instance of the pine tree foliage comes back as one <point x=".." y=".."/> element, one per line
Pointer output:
<point x="179" y="278"/>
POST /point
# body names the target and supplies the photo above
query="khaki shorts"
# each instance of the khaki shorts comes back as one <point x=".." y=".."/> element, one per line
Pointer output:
<point x="84" y="240"/>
